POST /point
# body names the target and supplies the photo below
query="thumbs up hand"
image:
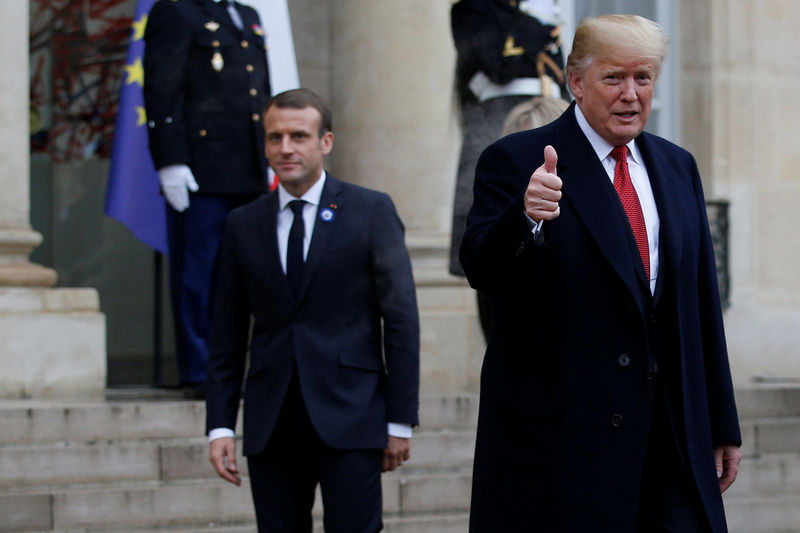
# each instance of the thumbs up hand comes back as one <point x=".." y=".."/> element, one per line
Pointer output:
<point x="544" y="189"/>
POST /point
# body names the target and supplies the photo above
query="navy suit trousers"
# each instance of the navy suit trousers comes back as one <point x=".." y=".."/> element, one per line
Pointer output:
<point x="284" y="477"/>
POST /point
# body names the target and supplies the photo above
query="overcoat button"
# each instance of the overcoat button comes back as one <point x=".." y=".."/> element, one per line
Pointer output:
<point x="255" y="117"/>
<point x="253" y="91"/>
<point x="624" y="359"/>
<point x="616" y="420"/>
<point x="245" y="44"/>
<point x="203" y="133"/>
<point x="249" y="68"/>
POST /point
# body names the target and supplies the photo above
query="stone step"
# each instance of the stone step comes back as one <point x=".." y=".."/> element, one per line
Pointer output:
<point x="776" y="514"/>
<point x="440" y="523"/>
<point x="200" y="502"/>
<point x="767" y="475"/>
<point x="39" y="421"/>
<point x="768" y="400"/>
<point x="58" y="464"/>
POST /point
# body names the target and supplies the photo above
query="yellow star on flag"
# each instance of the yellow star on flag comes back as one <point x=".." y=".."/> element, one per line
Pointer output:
<point x="138" y="28"/>
<point x="141" y="116"/>
<point x="135" y="72"/>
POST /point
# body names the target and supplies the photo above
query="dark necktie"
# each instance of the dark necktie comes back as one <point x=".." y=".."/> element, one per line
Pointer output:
<point x="630" y="201"/>
<point x="294" y="250"/>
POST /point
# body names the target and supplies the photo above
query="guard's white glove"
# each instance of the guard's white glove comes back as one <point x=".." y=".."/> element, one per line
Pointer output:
<point x="176" y="182"/>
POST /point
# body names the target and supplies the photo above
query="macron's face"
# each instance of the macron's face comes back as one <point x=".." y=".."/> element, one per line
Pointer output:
<point x="615" y="97"/>
<point x="293" y="146"/>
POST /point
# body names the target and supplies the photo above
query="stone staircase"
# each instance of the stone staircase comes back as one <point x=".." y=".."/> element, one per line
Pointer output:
<point x="766" y="495"/>
<point x="138" y="465"/>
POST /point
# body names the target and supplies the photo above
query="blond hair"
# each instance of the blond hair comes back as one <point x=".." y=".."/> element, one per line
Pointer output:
<point x="617" y="37"/>
<point x="533" y="113"/>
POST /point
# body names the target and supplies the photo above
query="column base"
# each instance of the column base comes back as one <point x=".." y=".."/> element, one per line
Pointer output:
<point x="52" y="343"/>
<point x="26" y="275"/>
<point x="452" y="344"/>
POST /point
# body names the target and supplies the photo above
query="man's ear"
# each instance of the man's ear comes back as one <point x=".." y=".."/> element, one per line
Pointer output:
<point x="575" y="84"/>
<point x="326" y="142"/>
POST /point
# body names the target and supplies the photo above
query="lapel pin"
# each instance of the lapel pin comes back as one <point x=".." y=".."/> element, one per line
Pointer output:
<point x="327" y="214"/>
<point x="211" y="26"/>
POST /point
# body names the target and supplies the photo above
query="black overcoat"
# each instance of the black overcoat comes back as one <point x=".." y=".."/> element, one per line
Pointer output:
<point x="565" y="392"/>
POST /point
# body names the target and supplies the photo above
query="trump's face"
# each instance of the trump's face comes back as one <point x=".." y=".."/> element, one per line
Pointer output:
<point x="294" y="146"/>
<point x="615" y="96"/>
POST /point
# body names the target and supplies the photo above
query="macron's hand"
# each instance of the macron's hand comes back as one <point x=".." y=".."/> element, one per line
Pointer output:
<point x="222" y="454"/>
<point x="176" y="182"/>
<point x="397" y="451"/>
<point x="544" y="189"/>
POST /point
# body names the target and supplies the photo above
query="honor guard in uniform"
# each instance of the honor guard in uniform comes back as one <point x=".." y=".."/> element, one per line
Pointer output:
<point x="507" y="52"/>
<point x="206" y="84"/>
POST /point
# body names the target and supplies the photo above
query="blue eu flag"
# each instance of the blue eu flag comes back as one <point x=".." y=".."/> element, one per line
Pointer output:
<point x="133" y="196"/>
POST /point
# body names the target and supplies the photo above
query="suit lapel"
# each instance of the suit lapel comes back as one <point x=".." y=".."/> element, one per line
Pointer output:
<point x="267" y="232"/>
<point x="323" y="229"/>
<point x="587" y="187"/>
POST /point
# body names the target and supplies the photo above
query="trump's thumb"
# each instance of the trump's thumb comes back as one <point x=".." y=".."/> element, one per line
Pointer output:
<point x="550" y="159"/>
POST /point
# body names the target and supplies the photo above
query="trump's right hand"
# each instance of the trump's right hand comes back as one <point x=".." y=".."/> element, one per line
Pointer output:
<point x="222" y="454"/>
<point x="544" y="189"/>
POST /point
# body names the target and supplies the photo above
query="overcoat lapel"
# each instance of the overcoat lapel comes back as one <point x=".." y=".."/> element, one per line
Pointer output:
<point x="323" y="229"/>
<point x="587" y="188"/>
<point x="666" y="190"/>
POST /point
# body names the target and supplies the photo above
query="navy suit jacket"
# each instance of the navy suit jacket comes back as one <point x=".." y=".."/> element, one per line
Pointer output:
<point x="353" y="333"/>
<point x="565" y="392"/>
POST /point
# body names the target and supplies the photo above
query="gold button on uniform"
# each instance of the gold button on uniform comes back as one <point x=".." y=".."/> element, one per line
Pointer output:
<point x="255" y="117"/>
<point x="253" y="92"/>
<point x="245" y="44"/>
<point x="249" y="68"/>
<point x="215" y="43"/>
<point x="203" y="133"/>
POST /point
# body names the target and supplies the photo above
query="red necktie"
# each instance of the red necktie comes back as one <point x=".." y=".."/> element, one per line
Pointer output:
<point x="630" y="201"/>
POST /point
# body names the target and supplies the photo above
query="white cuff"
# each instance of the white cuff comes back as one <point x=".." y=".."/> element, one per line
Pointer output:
<point x="536" y="227"/>
<point x="401" y="431"/>
<point x="218" y="433"/>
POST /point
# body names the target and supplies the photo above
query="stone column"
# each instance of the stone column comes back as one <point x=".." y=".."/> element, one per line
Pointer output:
<point x="739" y="67"/>
<point x="17" y="239"/>
<point x="52" y="341"/>
<point x="395" y="130"/>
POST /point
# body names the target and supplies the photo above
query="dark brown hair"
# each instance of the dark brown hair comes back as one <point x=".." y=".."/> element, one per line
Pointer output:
<point x="301" y="99"/>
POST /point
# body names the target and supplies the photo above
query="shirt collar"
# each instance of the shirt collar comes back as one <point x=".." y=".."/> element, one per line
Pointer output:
<point x="312" y="195"/>
<point x="601" y="146"/>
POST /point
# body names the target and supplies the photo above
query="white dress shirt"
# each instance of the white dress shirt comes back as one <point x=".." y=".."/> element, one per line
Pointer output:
<point x="285" y="218"/>
<point x="641" y="182"/>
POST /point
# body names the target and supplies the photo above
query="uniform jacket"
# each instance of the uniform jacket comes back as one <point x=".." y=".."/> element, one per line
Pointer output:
<point x="566" y="388"/>
<point x="481" y="32"/>
<point x="206" y="85"/>
<point x="353" y="334"/>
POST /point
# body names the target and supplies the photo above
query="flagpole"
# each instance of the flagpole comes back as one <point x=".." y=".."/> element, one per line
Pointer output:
<point x="158" y="380"/>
